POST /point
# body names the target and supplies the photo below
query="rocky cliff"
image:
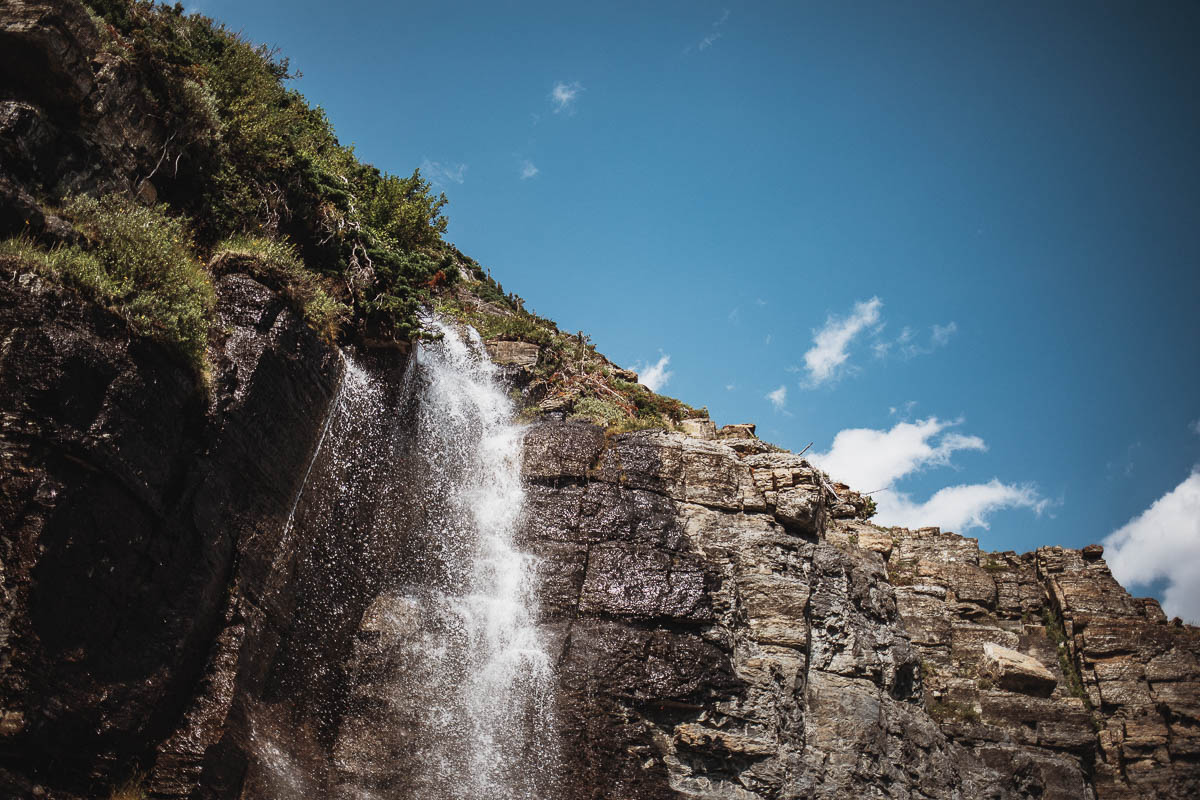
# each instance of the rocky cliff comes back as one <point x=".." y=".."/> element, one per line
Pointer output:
<point x="729" y="627"/>
<point x="194" y="566"/>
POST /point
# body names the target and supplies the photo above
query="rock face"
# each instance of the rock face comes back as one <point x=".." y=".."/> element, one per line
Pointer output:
<point x="131" y="501"/>
<point x="192" y="569"/>
<point x="723" y="634"/>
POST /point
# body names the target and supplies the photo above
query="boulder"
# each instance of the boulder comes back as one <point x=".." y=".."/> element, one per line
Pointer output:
<point x="740" y="431"/>
<point x="515" y="354"/>
<point x="699" y="428"/>
<point x="1017" y="672"/>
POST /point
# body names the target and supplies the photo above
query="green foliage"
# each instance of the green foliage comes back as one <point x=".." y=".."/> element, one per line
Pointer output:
<point x="247" y="155"/>
<point x="630" y="424"/>
<point x="69" y="266"/>
<point x="278" y="265"/>
<point x="140" y="263"/>
<point x="602" y="412"/>
<point x="518" y="327"/>
<point x="1058" y="634"/>
<point x="653" y="405"/>
<point x="870" y="508"/>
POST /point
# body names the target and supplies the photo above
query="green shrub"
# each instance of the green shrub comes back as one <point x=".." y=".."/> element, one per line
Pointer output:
<point x="277" y="264"/>
<point x="631" y="424"/>
<point x="69" y="266"/>
<point x="139" y="263"/>
<point x="247" y="155"/>
<point x="602" y="412"/>
<point x="156" y="281"/>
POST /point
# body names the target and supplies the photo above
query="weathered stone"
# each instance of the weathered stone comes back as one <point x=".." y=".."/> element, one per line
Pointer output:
<point x="699" y="428"/>
<point x="739" y="431"/>
<point x="511" y="353"/>
<point x="1018" y="672"/>
<point x="566" y="450"/>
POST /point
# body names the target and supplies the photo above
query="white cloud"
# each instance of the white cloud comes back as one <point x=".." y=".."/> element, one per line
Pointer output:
<point x="564" y="95"/>
<point x="1163" y="542"/>
<point x="528" y="170"/>
<point x="729" y="387"/>
<point x="1195" y="427"/>
<point x="778" y="398"/>
<point x="767" y="341"/>
<point x="656" y="376"/>
<point x="958" y="507"/>
<point x="442" y="174"/>
<point x="871" y="460"/>
<point x="942" y="333"/>
<point x="828" y="352"/>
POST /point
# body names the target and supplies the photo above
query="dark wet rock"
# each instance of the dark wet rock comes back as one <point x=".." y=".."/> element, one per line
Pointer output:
<point x="132" y="498"/>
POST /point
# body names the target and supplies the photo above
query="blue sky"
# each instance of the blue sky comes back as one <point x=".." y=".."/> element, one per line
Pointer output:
<point x="965" y="234"/>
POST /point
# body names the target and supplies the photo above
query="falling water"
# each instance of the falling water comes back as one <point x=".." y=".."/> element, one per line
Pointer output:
<point x="453" y="672"/>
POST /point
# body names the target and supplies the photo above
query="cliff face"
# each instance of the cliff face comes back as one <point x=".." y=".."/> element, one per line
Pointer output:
<point x="729" y="629"/>
<point x="193" y="571"/>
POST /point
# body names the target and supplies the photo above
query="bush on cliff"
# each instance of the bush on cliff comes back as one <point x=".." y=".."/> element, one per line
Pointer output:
<point x="140" y="263"/>
<point x="277" y="265"/>
<point x="248" y="156"/>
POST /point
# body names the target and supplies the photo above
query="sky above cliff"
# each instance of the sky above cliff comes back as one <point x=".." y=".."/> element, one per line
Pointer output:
<point x="955" y="246"/>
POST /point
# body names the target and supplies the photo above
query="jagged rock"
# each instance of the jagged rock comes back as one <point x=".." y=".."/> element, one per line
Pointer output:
<point x="516" y="354"/>
<point x="1017" y="672"/>
<point x="699" y="428"/>
<point x="739" y="431"/>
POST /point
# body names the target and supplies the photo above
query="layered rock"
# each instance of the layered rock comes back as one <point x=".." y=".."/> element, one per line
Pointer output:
<point x="730" y="627"/>
<point x="713" y="644"/>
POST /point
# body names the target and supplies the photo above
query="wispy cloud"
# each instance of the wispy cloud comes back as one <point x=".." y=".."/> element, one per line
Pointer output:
<point x="1163" y="542"/>
<point x="443" y="174"/>
<point x="654" y="376"/>
<point x="563" y="96"/>
<point x="714" y="33"/>
<point x="828" y="353"/>
<point x="909" y="345"/>
<point x="778" y="398"/>
<point x="942" y="333"/>
<point x="1195" y="427"/>
<point x="528" y="170"/>
<point x="873" y="460"/>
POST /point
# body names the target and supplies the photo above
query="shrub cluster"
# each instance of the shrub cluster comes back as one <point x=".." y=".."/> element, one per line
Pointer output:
<point x="249" y="156"/>
<point x="140" y="263"/>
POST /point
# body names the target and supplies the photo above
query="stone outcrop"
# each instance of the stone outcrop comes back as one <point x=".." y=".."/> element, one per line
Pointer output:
<point x="729" y="626"/>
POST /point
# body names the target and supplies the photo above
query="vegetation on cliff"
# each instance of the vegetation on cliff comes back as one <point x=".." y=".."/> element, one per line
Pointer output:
<point x="244" y="175"/>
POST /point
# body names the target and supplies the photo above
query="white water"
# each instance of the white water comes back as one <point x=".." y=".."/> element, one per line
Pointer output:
<point x="450" y="686"/>
<point x="479" y="674"/>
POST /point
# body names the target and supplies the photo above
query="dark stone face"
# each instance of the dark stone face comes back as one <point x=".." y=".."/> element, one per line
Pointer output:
<point x="131" y="501"/>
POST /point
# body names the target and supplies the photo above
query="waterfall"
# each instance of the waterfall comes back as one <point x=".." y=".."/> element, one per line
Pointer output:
<point x="453" y="684"/>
